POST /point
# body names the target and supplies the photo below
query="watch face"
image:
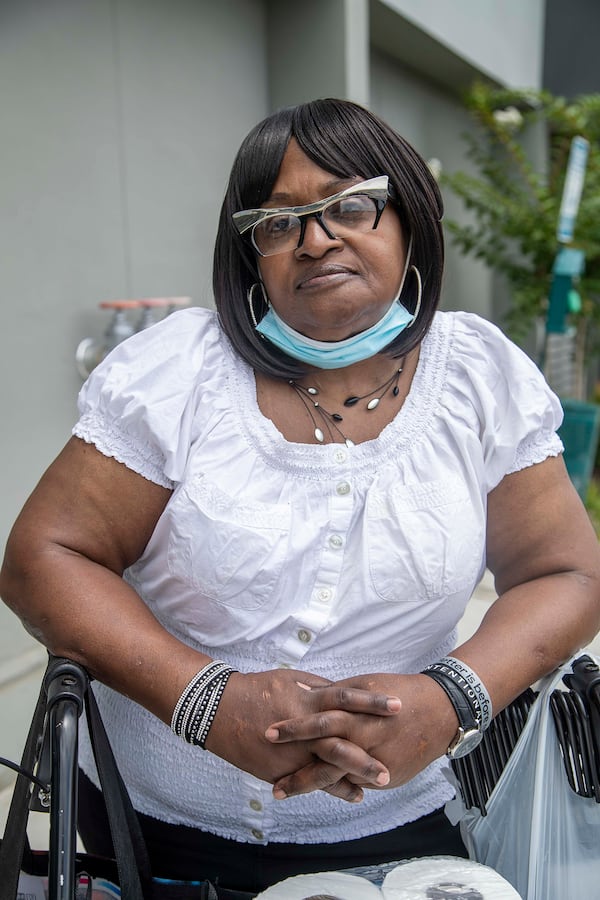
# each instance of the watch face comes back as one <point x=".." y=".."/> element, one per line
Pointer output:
<point x="465" y="741"/>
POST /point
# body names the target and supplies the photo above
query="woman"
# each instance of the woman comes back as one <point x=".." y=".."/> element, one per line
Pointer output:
<point x="306" y="488"/>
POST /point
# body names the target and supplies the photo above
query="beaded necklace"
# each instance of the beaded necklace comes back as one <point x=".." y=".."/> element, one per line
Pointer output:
<point x="331" y="420"/>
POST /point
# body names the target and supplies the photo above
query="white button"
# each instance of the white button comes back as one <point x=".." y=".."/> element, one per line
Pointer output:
<point x="284" y="666"/>
<point x="343" y="488"/>
<point x="324" y="594"/>
<point x="340" y="455"/>
<point x="304" y="636"/>
<point x="256" y="805"/>
<point x="336" y="541"/>
<point x="257" y="833"/>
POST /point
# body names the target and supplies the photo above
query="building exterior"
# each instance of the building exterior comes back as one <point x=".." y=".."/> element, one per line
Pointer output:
<point x="120" y="120"/>
<point x="571" y="64"/>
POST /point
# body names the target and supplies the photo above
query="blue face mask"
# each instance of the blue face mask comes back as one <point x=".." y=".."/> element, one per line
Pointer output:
<point x="336" y="354"/>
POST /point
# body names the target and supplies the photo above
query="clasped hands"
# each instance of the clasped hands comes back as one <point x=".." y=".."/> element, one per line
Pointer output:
<point x="302" y="733"/>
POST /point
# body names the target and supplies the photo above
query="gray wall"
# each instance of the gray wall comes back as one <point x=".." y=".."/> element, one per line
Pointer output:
<point x="318" y="48"/>
<point x="118" y="131"/>
<point x="571" y="63"/>
<point x="500" y="39"/>
<point x="118" y="135"/>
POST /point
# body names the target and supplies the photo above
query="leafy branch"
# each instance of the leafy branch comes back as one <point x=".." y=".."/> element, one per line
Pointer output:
<point x="514" y="200"/>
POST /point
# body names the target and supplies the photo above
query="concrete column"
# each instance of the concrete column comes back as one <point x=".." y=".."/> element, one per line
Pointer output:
<point x="319" y="48"/>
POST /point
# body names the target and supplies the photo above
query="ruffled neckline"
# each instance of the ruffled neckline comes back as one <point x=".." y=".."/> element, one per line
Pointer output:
<point x="314" y="461"/>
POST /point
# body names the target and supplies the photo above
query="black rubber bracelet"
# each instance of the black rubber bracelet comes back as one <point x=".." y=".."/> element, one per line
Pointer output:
<point x="457" y="679"/>
<point x="467" y="715"/>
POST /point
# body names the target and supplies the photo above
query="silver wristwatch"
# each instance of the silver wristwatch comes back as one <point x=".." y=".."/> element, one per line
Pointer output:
<point x="466" y="739"/>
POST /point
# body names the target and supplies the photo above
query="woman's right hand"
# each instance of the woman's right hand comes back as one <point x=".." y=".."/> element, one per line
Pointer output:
<point x="251" y="702"/>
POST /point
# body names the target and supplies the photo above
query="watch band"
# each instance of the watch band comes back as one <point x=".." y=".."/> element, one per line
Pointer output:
<point x="469" y="732"/>
<point x="457" y="679"/>
<point x="471" y="683"/>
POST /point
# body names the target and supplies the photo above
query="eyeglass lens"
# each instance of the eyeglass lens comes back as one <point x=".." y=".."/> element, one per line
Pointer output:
<point x="285" y="231"/>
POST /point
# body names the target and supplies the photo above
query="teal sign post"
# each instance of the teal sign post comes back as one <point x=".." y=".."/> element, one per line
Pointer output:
<point x="569" y="263"/>
<point x="564" y="298"/>
<point x="572" y="189"/>
<point x="580" y="429"/>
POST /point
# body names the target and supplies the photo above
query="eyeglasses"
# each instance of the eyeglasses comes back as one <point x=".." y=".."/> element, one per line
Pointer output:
<point x="277" y="230"/>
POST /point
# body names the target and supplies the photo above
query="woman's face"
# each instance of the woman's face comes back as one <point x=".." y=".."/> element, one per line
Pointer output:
<point x="329" y="289"/>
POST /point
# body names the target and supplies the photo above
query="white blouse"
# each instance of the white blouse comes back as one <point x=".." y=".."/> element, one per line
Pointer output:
<point x="329" y="559"/>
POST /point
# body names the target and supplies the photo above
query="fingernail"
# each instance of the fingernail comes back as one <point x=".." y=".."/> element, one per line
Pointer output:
<point x="279" y="794"/>
<point x="305" y="687"/>
<point x="383" y="778"/>
<point x="393" y="704"/>
<point x="272" y="734"/>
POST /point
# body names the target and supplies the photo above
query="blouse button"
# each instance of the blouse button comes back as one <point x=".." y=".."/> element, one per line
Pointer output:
<point x="340" y="455"/>
<point x="283" y="665"/>
<point x="304" y="636"/>
<point x="343" y="488"/>
<point x="257" y="833"/>
<point x="336" y="541"/>
<point x="256" y="805"/>
<point x="324" y="595"/>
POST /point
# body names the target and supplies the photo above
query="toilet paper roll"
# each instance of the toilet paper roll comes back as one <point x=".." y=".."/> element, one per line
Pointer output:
<point x="427" y="878"/>
<point x="446" y="878"/>
<point x="322" y="886"/>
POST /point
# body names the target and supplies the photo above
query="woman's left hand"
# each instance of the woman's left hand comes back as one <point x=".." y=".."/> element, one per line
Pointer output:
<point x="405" y="743"/>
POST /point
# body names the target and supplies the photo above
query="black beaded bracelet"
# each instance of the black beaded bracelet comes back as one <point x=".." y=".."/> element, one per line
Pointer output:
<point x="197" y="706"/>
<point x="206" y="708"/>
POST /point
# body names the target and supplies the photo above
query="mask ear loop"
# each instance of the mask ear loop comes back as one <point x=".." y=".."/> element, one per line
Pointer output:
<point x="419" y="295"/>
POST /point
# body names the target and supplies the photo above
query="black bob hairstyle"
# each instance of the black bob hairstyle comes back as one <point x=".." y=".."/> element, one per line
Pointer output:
<point x="346" y="140"/>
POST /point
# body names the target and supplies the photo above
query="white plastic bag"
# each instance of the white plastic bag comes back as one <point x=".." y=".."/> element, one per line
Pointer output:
<point x="538" y="834"/>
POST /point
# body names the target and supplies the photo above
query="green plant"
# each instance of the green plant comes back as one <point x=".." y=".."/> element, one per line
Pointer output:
<point x="514" y="199"/>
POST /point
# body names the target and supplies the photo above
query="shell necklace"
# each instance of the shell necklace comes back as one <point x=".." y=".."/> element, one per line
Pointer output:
<point x="330" y="421"/>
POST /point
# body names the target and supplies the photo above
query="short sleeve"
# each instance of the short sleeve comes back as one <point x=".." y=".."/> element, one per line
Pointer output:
<point x="138" y="404"/>
<point x="518" y="414"/>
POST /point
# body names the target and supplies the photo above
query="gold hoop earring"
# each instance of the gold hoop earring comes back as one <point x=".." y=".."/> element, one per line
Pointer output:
<point x="419" y="295"/>
<point x="250" y="299"/>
